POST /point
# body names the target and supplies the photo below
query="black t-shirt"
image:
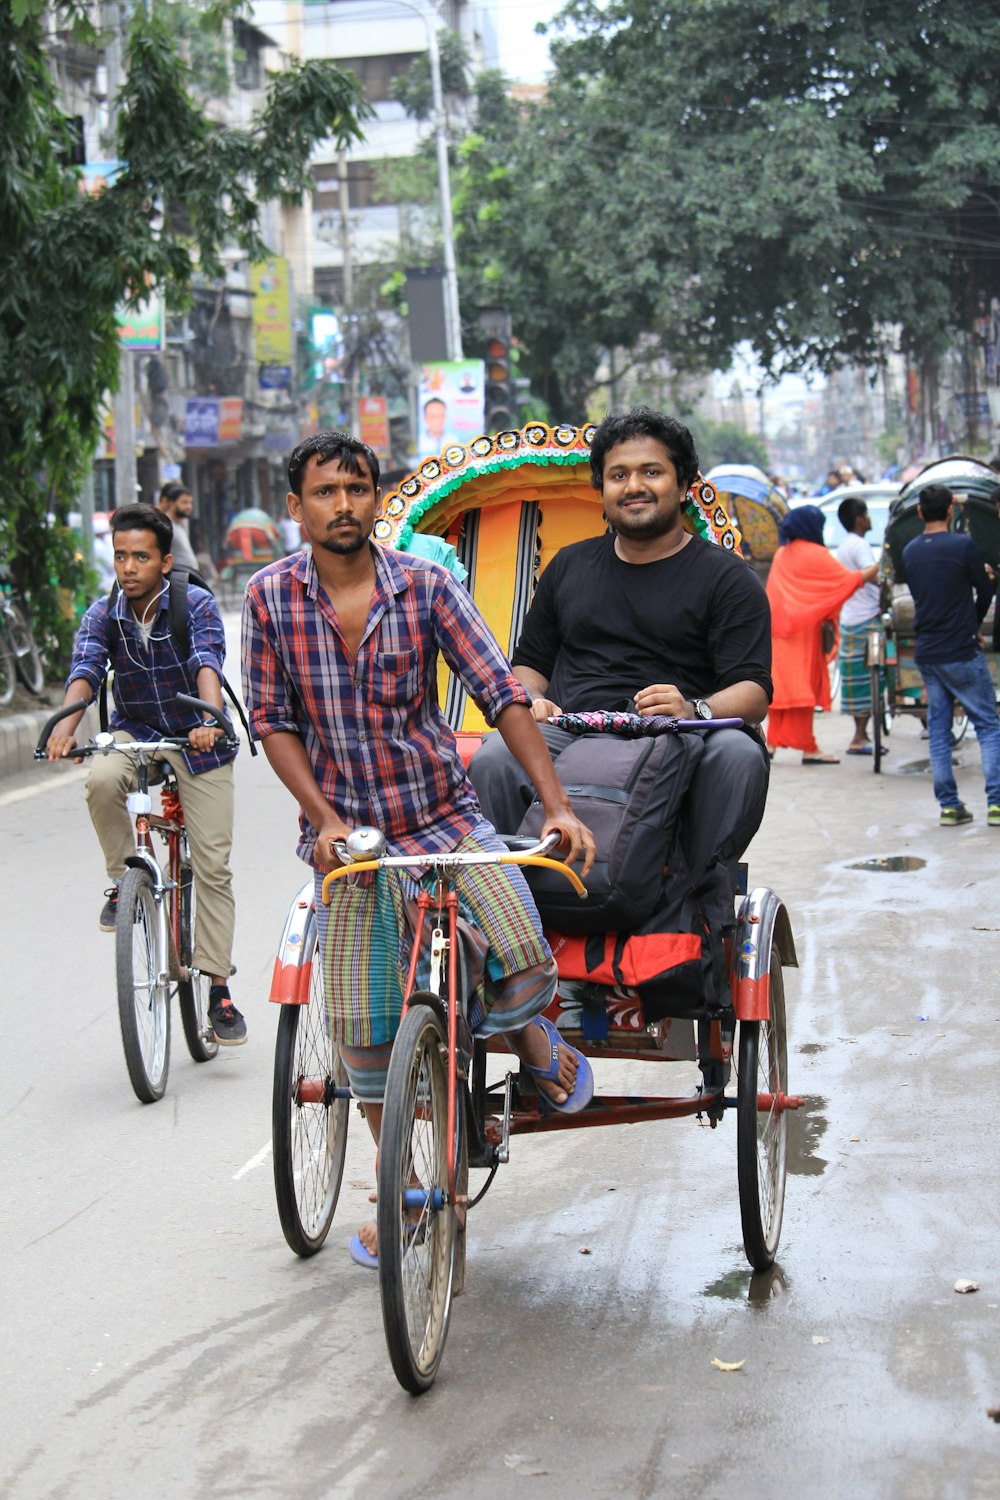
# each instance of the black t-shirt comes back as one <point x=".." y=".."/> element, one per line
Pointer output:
<point x="951" y="594"/>
<point x="599" y="629"/>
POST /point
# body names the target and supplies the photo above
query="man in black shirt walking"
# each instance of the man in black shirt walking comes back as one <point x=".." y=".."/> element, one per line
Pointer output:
<point x="653" y="618"/>
<point x="951" y="592"/>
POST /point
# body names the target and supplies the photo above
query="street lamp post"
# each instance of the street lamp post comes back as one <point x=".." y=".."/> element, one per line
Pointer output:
<point x="453" y="322"/>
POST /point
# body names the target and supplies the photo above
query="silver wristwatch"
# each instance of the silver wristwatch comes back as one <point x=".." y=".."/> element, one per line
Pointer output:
<point x="702" y="709"/>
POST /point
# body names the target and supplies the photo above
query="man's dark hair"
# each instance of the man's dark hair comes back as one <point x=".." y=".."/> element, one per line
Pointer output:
<point x="172" y="491"/>
<point x="642" y="421"/>
<point x="328" y="446"/>
<point x="435" y="401"/>
<point x="934" y="502"/>
<point x="850" y="511"/>
<point x="145" y="518"/>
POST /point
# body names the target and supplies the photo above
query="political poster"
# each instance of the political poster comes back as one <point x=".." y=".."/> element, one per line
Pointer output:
<point x="450" y="404"/>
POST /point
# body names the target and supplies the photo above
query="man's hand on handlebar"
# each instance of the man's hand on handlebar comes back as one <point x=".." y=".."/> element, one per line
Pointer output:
<point x="332" y="833"/>
<point x="60" y="745"/>
<point x="204" y="737"/>
<point x="577" y="841"/>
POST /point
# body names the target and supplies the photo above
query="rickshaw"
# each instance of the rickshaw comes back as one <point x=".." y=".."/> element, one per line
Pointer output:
<point x="897" y="686"/>
<point x="252" y="541"/>
<point x="507" y="503"/>
<point x="756" y="507"/>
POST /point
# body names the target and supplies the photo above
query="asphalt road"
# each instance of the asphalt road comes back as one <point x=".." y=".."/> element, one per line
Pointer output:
<point x="159" y="1337"/>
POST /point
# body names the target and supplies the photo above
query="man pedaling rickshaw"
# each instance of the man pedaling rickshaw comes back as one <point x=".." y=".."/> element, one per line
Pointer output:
<point x="656" y="620"/>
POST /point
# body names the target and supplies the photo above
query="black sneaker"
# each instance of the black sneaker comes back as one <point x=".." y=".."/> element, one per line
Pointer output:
<point x="227" y="1023"/>
<point x="109" y="911"/>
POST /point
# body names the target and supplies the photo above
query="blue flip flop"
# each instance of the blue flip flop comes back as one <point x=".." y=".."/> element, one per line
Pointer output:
<point x="361" y="1256"/>
<point x="583" y="1089"/>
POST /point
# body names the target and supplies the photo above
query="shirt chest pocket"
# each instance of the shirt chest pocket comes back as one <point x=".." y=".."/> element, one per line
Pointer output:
<point x="394" y="677"/>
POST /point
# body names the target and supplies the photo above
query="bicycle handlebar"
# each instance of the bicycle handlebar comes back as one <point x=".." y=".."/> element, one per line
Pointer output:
<point x="174" y="742"/>
<point x="535" y="855"/>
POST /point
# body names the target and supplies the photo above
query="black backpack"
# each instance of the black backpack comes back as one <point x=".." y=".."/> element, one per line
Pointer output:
<point x="180" y="631"/>
<point x="629" y="793"/>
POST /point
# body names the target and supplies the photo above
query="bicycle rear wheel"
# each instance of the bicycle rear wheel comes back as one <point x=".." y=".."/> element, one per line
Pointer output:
<point x="143" y="995"/>
<point x="308" y="1123"/>
<point x="27" y="657"/>
<point x="192" y="993"/>
<point x="416" y="1223"/>
<point x="8" y="674"/>
<point x="762" y="1125"/>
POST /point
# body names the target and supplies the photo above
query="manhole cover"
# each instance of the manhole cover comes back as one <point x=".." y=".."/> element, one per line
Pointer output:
<point x="890" y="863"/>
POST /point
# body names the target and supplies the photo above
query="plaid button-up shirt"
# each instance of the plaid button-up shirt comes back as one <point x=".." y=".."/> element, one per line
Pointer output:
<point x="382" y="752"/>
<point x="148" y="677"/>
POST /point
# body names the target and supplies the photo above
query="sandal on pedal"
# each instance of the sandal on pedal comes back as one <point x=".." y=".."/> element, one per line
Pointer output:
<point x="583" y="1089"/>
<point x="361" y="1256"/>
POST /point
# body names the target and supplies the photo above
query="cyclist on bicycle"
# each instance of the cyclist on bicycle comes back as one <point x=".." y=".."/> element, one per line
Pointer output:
<point x="340" y="653"/>
<point x="129" y="631"/>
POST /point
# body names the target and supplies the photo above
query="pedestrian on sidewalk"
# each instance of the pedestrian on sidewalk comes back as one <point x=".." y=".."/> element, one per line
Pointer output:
<point x="805" y="587"/>
<point x="951" y="591"/>
<point x="859" y="613"/>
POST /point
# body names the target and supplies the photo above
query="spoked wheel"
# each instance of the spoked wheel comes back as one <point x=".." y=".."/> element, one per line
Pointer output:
<point x="833" y="669"/>
<point x="8" y="675"/>
<point x="762" y="1126"/>
<point x="308" y="1122"/>
<point x="192" y="993"/>
<point x="143" y="996"/>
<point x="27" y="657"/>
<point x="959" y="724"/>
<point x="416" y="1224"/>
<point x="881" y="714"/>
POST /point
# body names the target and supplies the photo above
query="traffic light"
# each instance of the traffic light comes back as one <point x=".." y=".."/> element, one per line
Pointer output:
<point x="500" y="398"/>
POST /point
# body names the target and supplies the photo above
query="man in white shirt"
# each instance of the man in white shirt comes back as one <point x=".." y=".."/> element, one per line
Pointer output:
<point x="856" y="618"/>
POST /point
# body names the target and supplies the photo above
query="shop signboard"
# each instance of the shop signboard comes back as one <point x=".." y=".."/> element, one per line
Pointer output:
<point x="210" y="421"/>
<point x="272" y="321"/>
<point x="373" y="421"/>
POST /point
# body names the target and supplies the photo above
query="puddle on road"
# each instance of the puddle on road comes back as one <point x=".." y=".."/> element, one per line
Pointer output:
<point x="806" y="1128"/>
<point x="809" y="1049"/>
<point x="757" y="1287"/>
<point x="923" y="767"/>
<point x="889" y="863"/>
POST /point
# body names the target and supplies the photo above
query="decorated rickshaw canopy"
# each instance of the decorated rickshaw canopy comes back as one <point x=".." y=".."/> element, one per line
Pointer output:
<point x="535" y="464"/>
<point x="756" y="505"/>
<point x="972" y="484"/>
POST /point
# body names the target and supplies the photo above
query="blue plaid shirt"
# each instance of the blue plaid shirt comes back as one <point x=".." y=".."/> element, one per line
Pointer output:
<point x="148" y="677"/>
<point x="381" y="750"/>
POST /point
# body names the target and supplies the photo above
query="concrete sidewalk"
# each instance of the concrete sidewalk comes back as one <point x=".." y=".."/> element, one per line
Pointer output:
<point x="19" y="735"/>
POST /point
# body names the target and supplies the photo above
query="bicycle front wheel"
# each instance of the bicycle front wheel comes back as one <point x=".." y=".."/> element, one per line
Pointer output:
<point x="27" y="657"/>
<point x="308" y="1121"/>
<point x="192" y="993"/>
<point x="143" y="993"/>
<point x="416" y="1223"/>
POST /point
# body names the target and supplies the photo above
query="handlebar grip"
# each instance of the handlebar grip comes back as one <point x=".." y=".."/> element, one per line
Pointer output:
<point x="222" y="720"/>
<point x="50" y="723"/>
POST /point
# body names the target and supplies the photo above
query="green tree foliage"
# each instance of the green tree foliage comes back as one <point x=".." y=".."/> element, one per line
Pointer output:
<point x="415" y="90"/>
<point x="798" y="175"/>
<point x="727" y="443"/>
<point x="68" y="260"/>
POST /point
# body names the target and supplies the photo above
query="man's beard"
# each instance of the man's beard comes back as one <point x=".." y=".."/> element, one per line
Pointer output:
<point x="344" y="541"/>
<point x="645" y="529"/>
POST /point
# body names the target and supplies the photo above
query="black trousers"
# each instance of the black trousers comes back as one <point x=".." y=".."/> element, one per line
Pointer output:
<point x="722" y="810"/>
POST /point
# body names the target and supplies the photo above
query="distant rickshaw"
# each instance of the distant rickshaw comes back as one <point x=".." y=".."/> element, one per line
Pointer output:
<point x="755" y="505"/>
<point x="897" y="686"/>
<point x="252" y="541"/>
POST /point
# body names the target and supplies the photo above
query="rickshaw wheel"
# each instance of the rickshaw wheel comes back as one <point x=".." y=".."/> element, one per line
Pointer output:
<point x="762" y="1133"/>
<point x="416" y="1223"/>
<point x="881" y="714"/>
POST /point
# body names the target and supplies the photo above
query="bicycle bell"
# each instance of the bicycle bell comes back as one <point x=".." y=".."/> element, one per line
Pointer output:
<point x="365" y="843"/>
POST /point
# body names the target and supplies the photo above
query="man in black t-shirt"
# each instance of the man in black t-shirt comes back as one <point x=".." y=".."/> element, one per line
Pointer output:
<point x="653" y="618"/>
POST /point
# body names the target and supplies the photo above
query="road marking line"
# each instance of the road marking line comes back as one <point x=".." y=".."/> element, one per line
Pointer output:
<point x="65" y="778"/>
<point x="255" y="1161"/>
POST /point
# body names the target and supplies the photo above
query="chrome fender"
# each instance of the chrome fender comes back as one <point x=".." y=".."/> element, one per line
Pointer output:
<point x="762" y="924"/>
<point x="293" y="961"/>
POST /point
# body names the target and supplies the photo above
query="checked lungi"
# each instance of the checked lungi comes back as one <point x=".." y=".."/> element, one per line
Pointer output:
<point x="855" y="675"/>
<point x="365" y="942"/>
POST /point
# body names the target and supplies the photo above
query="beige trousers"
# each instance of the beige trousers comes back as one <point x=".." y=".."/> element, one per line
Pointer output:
<point x="208" y="812"/>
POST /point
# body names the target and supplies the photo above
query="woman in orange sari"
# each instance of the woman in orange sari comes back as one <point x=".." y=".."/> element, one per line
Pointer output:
<point x="806" y="585"/>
